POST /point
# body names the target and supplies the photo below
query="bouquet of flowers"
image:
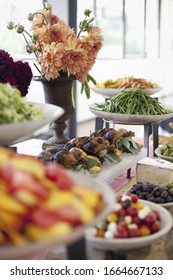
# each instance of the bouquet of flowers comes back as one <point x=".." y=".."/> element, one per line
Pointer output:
<point x="16" y="73"/>
<point x="58" y="50"/>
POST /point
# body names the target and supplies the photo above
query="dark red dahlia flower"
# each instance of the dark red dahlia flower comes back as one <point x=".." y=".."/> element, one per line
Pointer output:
<point x="17" y="74"/>
<point x="6" y="65"/>
<point x="23" y="75"/>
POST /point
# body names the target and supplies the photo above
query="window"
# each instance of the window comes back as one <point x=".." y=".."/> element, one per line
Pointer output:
<point x="15" y="11"/>
<point x="130" y="27"/>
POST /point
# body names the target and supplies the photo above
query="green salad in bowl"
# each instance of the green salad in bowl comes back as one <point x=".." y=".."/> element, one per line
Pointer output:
<point x="15" y="108"/>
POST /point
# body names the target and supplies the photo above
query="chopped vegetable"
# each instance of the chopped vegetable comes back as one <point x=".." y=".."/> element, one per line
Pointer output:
<point x="15" y="108"/>
<point x="167" y="150"/>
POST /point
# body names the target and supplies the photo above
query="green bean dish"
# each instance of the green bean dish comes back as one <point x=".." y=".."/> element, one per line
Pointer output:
<point x="167" y="150"/>
<point x="133" y="102"/>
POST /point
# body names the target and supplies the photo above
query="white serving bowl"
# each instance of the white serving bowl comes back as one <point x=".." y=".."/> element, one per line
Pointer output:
<point x="122" y="244"/>
<point x="14" y="132"/>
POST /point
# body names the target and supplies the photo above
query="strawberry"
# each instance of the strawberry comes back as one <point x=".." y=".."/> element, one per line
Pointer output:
<point x="56" y="173"/>
<point x="19" y="180"/>
<point x="46" y="218"/>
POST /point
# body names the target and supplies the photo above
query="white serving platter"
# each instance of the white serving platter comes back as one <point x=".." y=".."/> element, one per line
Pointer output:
<point x="111" y="172"/>
<point x="125" y="244"/>
<point x="130" y="119"/>
<point x="108" y="173"/>
<point x="14" y="132"/>
<point x="110" y="92"/>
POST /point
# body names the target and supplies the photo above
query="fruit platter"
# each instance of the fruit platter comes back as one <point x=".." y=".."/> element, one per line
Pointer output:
<point x="45" y="205"/>
<point x="131" y="224"/>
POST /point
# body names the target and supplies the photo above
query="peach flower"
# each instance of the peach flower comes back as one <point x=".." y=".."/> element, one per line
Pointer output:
<point x="58" y="49"/>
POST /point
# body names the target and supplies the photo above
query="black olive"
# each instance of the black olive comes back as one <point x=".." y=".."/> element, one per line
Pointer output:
<point x="157" y="193"/>
<point x="171" y="192"/>
<point x="169" y="198"/>
<point x="160" y="200"/>
<point x="151" y="198"/>
<point x="164" y="194"/>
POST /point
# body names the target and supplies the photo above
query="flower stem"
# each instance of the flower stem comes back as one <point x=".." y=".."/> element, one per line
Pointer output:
<point x="39" y="13"/>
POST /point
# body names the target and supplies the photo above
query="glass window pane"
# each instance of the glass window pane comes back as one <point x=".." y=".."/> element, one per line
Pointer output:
<point x="134" y="37"/>
<point x="109" y="19"/>
<point x="17" y="12"/>
<point x="171" y="26"/>
<point x="152" y="29"/>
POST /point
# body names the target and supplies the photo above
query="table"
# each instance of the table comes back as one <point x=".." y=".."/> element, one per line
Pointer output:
<point x="163" y="249"/>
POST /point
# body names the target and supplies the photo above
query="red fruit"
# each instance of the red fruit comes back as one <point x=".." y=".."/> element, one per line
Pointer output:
<point x="56" y="173"/>
<point x="157" y="214"/>
<point x="132" y="211"/>
<point x="133" y="232"/>
<point x="46" y="218"/>
<point x="151" y="218"/>
<point x="43" y="217"/>
<point x="19" y="180"/>
<point x="68" y="214"/>
<point x="134" y="198"/>
<point x="121" y="232"/>
<point x="118" y="198"/>
<point x="122" y="213"/>
<point x="155" y="227"/>
<point x="136" y="220"/>
<point x="123" y="224"/>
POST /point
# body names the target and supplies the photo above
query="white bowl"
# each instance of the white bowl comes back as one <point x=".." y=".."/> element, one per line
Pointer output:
<point x="158" y="153"/>
<point x="31" y="248"/>
<point x="110" y="92"/>
<point x="136" y="242"/>
<point x="14" y="132"/>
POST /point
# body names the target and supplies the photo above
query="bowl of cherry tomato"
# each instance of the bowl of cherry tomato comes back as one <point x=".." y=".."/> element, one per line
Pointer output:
<point x="132" y="223"/>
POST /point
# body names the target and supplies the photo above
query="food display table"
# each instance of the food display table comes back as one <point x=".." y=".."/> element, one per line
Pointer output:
<point x="162" y="249"/>
<point x="108" y="173"/>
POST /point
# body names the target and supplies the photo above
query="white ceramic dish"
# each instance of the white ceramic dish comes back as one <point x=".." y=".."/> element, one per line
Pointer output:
<point x="130" y="119"/>
<point x="167" y="205"/>
<point x="110" y="92"/>
<point x="14" y="132"/>
<point x="122" y="244"/>
<point x="158" y="153"/>
<point x="31" y="248"/>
